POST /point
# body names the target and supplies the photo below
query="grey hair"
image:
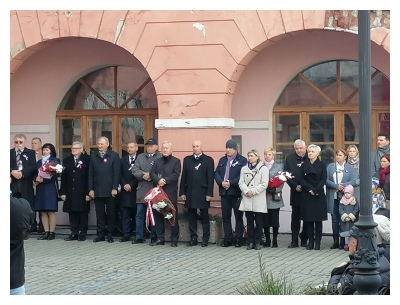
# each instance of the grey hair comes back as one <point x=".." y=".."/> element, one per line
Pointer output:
<point x="299" y="142"/>
<point x="167" y="143"/>
<point x="20" y="136"/>
<point x="317" y="148"/>
<point x="105" y="138"/>
<point x="77" y="143"/>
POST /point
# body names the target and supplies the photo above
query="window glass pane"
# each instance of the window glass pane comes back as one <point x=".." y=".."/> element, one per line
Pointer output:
<point x="132" y="129"/>
<point x="287" y="128"/>
<point x="380" y="90"/>
<point x="64" y="152"/>
<point x="321" y="128"/>
<point x="327" y="154"/>
<point x="351" y="127"/>
<point x="69" y="131"/>
<point x="282" y="151"/>
<point x="100" y="127"/>
<point x="324" y="77"/>
<point x="384" y="122"/>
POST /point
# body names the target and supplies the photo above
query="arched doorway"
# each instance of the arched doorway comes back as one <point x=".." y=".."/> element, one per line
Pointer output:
<point x="320" y="105"/>
<point x="118" y="102"/>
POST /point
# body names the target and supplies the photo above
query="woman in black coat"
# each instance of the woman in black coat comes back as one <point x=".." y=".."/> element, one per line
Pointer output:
<point x="313" y="209"/>
<point x="74" y="191"/>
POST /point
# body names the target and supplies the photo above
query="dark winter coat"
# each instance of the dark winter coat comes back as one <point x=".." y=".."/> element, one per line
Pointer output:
<point x="128" y="199"/>
<point x="313" y="207"/>
<point x="29" y="169"/>
<point x="144" y="163"/>
<point x="234" y="175"/>
<point x="341" y="280"/>
<point x="104" y="173"/>
<point x="293" y="164"/>
<point x="168" y="168"/>
<point x="351" y="210"/>
<point x="46" y="198"/>
<point x="197" y="181"/>
<point x="21" y="218"/>
<point x="74" y="184"/>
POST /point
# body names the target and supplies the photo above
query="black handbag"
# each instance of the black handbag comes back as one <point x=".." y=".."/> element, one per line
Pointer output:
<point x="277" y="196"/>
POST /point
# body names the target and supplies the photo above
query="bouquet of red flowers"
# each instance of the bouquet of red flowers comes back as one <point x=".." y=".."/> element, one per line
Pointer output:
<point x="49" y="169"/>
<point x="279" y="179"/>
<point x="157" y="199"/>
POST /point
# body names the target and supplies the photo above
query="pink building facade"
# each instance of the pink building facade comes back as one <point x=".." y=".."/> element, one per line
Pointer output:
<point x="207" y="75"/>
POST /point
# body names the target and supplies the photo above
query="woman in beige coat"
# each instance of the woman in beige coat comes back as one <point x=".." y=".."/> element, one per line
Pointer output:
<point x="253" y="183"/>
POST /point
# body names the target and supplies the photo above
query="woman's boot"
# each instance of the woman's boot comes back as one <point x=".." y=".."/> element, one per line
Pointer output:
<point x="341" y="243"/>
<point x="45" y="236"/>
<point x="267" y="237"/>
<point x="52" y="235"/>
<point x="274" y="237"/>
<point x="335" y="242"/>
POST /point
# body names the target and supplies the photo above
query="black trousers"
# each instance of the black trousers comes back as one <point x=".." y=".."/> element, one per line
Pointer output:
<point x="205" y="222"/>
<point x="295" y="225"/>
<point x="314" y="231"/>
<point x="78" y="222"/>
<point x="229" y="203"/>
<point x="105" y="207"/>
<point x="254" y="233"/>
<point x="160" y="226"/>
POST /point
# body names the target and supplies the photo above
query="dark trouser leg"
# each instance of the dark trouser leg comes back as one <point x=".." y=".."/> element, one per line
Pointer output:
<point x="140" y="220"/>
<point x="295" y="224"/>
<point x="226" y="209"/>
<point x="110" y="205"/>
<point x="160" y="227"/>
<point x="100" y="215"/>
<point x="258" y="231"/>
<point x="205" y="222"/>
<point x="267" y="236"/>
<point x="239" y="226"/>
<point x="74" y="222"/>
<point x="84" y="223"/>
<point x="126" y="221"/>
<point x="133" y="218"/>
<point x="250" y="227"/>
<point x="192" y="214"/>
<point x="335" y="218"/>
<point x="175" y="227"/>
<point x="309" y="227"/>
<point x="318" y="232"/>
<point x="275" y="236"/>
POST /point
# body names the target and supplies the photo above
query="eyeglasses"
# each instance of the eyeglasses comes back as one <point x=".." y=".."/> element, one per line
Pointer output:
<point x="18" y="142"/>
<point x="75" y="147"/>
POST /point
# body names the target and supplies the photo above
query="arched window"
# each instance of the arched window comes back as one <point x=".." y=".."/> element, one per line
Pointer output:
<point x="320" y="106"/>
<point x="117" y="102"/>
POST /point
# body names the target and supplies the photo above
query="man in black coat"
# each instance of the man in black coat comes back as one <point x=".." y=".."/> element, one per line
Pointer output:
<point x="22" y="170"/>
<point x="227" y="176"/>
<point x="74" y="191"/>
<point x="104" y="175"/>
<point x="293" y="164"/>
<point x="128" y="190"/>
<point x="21" y="217"/>
<point x="165" y="173"/>
<point x="196" y="189"/>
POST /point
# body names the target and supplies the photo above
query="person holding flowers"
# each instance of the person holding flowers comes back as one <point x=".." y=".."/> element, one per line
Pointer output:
<point x="274" y="199"/>
<point x="46" y="199"/>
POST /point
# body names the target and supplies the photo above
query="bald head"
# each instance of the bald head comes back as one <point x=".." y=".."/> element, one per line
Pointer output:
<point x="197" y="149"/>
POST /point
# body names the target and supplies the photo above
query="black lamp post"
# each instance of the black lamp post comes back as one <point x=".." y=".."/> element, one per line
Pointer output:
<point x="366" y="279"/>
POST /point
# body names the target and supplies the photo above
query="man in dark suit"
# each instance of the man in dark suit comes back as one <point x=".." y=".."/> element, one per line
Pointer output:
<point x="227" y="176"/>
<point x="293" y="164"/>
<point x="196" y="189"/>
<point x="165" y="173"/>
<point x="74" y="191"/>
<point x="22" y="170"/>
<point x="36" y="145"/>
<point x="104" y="175"/>
<point x="128" y="190"/>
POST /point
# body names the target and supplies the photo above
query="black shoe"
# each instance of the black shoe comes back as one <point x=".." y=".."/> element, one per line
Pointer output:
<point x="257" y="247"/>
<point x="158" y="242"/>
<point x="293" y="245"/>
<point x="99" y="238"/>
<point x="226" y="243"/>
<point x="82" y="237"/>
<point x="125" y="239"/>
<point x="310" y="246"/>
<point x="110" y="239"/>
<point x="239" y="243"/>
<point x="204" y="244"/>
<point x="335" y="245"/>
<point x="274" y="245"/>
<point x="52" y="236"/>
<point x="71" y="237"/>
<point x="317" y="246"/>
<point x="45" y="236"/>
<point x="192" y="242"/>
<point x="250" y="246"/>
<point x="152" y="242"/>
<point x="267" y="244"/>
<point x="174" y="244"/>
<point x="138" y="241"/>
<point x="303" y="243"/>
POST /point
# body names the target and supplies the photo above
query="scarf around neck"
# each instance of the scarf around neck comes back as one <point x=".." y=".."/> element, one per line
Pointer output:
<point x="269" y="164"/>
<point x="228" y="165"/>
<point x="382" y="175"/>
<point x="345" y="201"/>
<point x="355" y="162"/>
<point x="253" y="166"/>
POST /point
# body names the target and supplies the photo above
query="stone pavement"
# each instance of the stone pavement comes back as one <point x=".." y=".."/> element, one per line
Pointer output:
<point x="59" y="267"/>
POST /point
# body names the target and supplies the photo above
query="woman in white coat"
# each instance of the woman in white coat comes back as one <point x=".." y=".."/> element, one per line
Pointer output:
<point x="253" y="183"/>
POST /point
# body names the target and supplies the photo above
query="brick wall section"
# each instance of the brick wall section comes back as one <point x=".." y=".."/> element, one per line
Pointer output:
<point x="348" y="20"/>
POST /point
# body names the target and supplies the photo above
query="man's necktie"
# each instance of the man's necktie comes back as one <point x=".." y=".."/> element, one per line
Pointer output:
<point x="18" y="160"/>
<point x="132" y="160"/>
<point x="102" y="153"/>
<point x="76" y="161"/>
